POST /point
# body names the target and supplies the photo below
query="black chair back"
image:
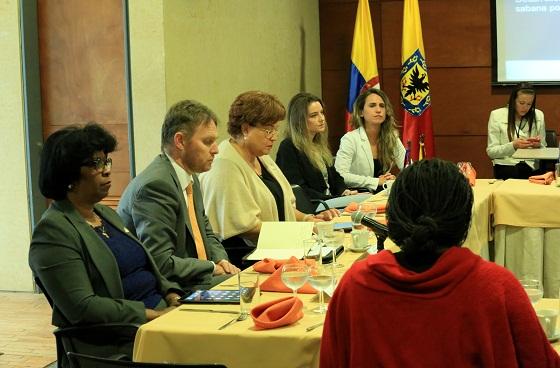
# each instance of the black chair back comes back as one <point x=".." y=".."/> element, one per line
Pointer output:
<point x="113" y="340"/>
<point x="304" y="203"/>
<point x="88" y="361"/>
<point x="551" y="139"/>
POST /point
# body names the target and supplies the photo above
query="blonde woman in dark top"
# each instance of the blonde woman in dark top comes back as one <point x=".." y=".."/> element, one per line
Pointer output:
<point x="304" y="155"/>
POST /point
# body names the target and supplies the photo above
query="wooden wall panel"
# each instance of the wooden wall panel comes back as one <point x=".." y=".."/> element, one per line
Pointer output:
<point x="460" y="148"/>
<point x="336" y="82"/>
<point x="82" y="70"/>
<point x="455" y="33"/>
<point x="457" y="40"/>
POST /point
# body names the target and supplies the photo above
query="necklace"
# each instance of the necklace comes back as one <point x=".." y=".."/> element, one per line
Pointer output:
<point x="99" y="229"/>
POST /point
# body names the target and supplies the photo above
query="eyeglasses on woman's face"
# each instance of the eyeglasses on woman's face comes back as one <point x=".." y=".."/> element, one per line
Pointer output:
<point x="99" y="164"/>
<point x="269" y="132"/>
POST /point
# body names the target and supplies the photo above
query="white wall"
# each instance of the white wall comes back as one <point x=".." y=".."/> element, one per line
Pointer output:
<point x="209" y="50"/>
<point x="15" y="274"/>
<point x="214" y="50"/>
<point x="147" y="70"/>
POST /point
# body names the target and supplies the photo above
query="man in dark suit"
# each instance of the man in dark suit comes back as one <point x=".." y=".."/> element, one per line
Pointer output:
<point x="160" y="202"/>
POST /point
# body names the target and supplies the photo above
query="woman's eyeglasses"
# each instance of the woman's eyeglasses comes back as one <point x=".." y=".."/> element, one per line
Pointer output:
<point x="99" y="164"/>
<point x="269" y="133"/>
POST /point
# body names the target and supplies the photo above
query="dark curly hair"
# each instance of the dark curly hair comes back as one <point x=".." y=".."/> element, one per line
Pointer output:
<point x="64" y="153"/>
<point x="429" y="207"/>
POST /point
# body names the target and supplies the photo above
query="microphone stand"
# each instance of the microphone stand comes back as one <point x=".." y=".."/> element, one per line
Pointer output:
<point x="380" y="241"/>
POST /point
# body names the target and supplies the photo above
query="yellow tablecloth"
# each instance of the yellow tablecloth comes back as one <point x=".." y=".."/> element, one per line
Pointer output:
<point x="193" y="337"/>
<point x="521" y="203"/>
<point x="480" y="231"/>
<point x="527" y="231"/>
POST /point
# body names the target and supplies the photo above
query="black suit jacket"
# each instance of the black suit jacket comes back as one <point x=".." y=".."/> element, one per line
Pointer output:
<point x="298" y="170"/>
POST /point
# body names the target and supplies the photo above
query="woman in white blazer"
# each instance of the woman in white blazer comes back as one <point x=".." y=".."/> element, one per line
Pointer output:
<point x="518" y="125"/>
<point x="368" y="153"/>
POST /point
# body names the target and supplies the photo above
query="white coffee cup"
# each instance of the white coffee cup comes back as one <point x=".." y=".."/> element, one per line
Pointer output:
<point x="548" y="319"/>
<point x="387" y="186"/>
<point x="360" y="238"/>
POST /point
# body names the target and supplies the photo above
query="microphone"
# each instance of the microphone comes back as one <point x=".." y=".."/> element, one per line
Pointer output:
<point x="380" y="230"/>
<point x="377" y="227"/>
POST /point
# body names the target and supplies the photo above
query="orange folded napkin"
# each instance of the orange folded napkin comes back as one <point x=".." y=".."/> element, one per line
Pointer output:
<point x="274" y="282"/>
<point x="546" y="178"/>
<point x="365" y="207"/>
<point x="269" y="265"/>
<point x="277" y="313"/>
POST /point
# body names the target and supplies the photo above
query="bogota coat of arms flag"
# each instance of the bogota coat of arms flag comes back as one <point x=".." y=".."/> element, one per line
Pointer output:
<point x="415" y="87"/>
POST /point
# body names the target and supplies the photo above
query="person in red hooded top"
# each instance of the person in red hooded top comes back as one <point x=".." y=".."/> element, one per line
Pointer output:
<point x="433" y="304"/>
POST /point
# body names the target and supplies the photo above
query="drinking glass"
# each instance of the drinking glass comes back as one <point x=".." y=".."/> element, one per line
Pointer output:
<point x="294" y="276"/>
<point x="308" y="245"/>
<point x="324" y="229"/>
<point x="367" y="209"/>
<point x="248" y="288"/>
<point x="335" y="240"/>
<point x="321" y="277"/>
<point x="533" y="288"/>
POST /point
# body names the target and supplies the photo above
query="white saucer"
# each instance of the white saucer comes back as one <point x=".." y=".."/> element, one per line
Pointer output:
<point x="555" y="337"/>
<point x="358" y="250"/>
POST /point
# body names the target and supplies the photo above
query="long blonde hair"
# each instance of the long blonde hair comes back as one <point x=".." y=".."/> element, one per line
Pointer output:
<point x="317" y="148"/>
<point x="388" y="135"/>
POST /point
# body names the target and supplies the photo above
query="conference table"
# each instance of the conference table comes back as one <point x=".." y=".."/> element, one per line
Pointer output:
<point x="480" y="234"/>
<point x="546" y="153"/>
<point x="186" y="336"/>
<point x="527" y="231"/>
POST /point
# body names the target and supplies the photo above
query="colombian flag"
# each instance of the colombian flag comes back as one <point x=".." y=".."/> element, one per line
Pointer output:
<point x="415" y="87"/>
<point x="363" y="71"/>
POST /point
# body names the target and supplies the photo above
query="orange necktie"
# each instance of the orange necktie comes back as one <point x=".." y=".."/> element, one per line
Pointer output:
<point x="199" y="243"/>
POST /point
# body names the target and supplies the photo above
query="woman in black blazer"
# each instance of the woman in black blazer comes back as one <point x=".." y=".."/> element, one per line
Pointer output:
<point x="304" y="155"/>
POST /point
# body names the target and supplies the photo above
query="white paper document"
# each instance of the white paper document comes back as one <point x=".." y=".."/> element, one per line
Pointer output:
<point x="281" y="240"/>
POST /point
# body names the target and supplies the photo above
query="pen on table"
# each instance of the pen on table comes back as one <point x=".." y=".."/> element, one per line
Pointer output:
<point x="312" y="327"/>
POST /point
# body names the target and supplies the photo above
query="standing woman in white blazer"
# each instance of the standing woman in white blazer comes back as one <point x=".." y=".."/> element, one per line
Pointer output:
<point x="517" y="125"/>
<point x="368" y="153"/>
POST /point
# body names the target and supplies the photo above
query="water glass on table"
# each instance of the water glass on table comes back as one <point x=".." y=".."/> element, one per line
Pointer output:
<point x="311" y="249"/>
<point x="294" y="276"/>
<point x="548" y="318"/>
<point x="366" y="209"/>
<point x="249" y="291"/>
<point x="321" y="277"/>
<point x="335" y="240"/>
<point x="533" y="288"/>
<point x="324" y="229"/>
